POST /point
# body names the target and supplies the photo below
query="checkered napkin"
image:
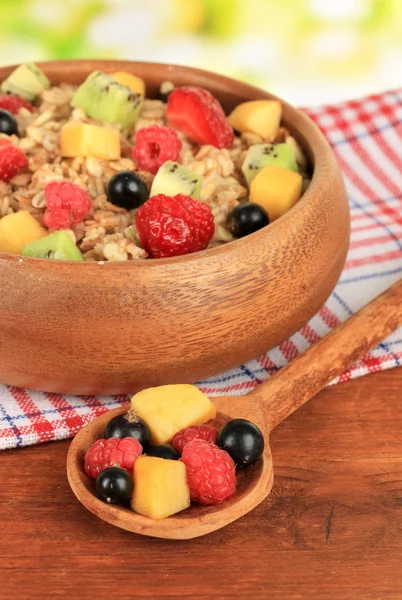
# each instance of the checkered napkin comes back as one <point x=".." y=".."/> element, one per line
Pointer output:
<point x="366" y="136"/>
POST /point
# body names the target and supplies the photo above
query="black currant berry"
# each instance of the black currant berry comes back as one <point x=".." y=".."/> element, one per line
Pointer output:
<point x="163" y="451"/>
<point x="129" y="425"/>
<point x="242" y="440"/>
<point x="127" y="190"/>
<point x="115" y="485"/>
<point x="247" y="218"/>
<point x="8" y="124"/>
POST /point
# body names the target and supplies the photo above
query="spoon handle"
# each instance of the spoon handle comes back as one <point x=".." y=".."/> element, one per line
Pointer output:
<point x="310" y="372"/>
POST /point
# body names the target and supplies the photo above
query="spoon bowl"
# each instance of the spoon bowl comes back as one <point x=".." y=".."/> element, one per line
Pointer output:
<point x="266" y="406"/>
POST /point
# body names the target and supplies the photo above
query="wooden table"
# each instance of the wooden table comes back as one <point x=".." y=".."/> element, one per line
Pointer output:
<point x="332" y="528"/>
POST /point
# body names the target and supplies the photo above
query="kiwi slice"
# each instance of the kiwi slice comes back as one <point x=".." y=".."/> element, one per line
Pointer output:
<point x="172" y="179"/>
<point x="261" y="155"/>
<point x="105" y="99"/>
<point x="26" y="81"/>
<point x="57" y="246"/>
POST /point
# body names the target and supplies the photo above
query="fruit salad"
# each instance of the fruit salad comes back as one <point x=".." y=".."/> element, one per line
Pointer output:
<point x="165" y="453"/>
<point x="99" y="172"/>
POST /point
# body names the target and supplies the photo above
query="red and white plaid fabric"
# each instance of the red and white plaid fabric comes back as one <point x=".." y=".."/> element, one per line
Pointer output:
<point x="366" y="136"/>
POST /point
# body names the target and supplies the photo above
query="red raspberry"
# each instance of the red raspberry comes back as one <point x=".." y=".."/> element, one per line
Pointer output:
<point x="67" y="204"/>
<point x="174" y="225"/>
<point x="210" y="472"/>
<point x="14" y="103"/>
<point x="195" y="112"/>
<point x="196" y="432"/>
<point x="114" y="452"/>
<point x="12" y="160"/>
<point x="155" y="145"/>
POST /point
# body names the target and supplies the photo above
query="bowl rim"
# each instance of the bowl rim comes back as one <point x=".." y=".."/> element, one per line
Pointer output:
<point x="319" y="161"/>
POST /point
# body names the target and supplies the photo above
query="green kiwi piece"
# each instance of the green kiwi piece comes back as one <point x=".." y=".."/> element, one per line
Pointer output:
<point x="262" y="155"/>
<point x="56" y="246"/>
<point x="172" y="179"/>
<point x="104" y="99"/>
<point x="26" y="81"/>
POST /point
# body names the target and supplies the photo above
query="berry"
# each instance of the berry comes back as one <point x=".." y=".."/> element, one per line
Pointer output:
<point x="210" y="472"/>
<point x="154" y="145"/>
<point x="129" y="425"/>
<point x="171" y="226"/>
<point x="247" y="218"/>
<point x="163" y="451"/>
<point x="114" y="452"/>
<point x="127" y="190"/>
<point x="195" y="112"/>
<point x="8" y="124"/>
<point x="12" y="160"/>
<point x="242" y="440"/>
<point x="67" y="204"/>
<point x="115" y="486"/>
<point x="14" y="103"/>
<point x="195" y="432"/>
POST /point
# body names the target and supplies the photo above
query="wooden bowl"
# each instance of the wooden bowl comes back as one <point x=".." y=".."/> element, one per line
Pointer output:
<point x="114" y="328"/>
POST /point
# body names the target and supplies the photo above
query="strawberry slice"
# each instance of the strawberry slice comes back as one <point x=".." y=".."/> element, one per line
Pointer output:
<point x="195" y="112"/>
<point x="14" y="103"/>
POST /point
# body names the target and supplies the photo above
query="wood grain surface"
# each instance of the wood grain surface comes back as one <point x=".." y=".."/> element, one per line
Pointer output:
<point x="330" y="530"/>
<point x="115" y="328"/>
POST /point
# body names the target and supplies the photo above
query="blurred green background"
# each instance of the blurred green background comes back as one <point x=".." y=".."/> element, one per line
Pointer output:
<point x="308" y="51"/>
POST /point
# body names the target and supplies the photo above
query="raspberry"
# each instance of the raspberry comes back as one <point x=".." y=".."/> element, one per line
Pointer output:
<point x="155" y="145"/>
<point x="114" y="452"/>
<point x="171" y="226"/>
<point x="195" y="112"/>
<point x="14" y="103"/>
<point x="196" y="432"/>
<point x="210" y="472"/>
<point x="12" y="161"/>
<point x="67" y="204"/>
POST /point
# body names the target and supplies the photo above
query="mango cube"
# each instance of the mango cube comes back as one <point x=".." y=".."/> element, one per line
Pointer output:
<point x="160" y="487"/>
<point x="136" y="84"/>
<point x="261" y="117"/>
<point x="168" y="408"/>
<point x="276" y="189"/>
<point x="19" y="229"/>
<point x="83" y="139"/>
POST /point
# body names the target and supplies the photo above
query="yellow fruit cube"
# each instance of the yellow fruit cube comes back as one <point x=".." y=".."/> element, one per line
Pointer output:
<point x="168" y="408"/>
<point x="83" y="139"/>
<point x="160" y="487"/>
<point x="261" y="117"/>
<point x="19" y="229"/>
<point x="276" y="189"/>
<point x="136" y="84"/>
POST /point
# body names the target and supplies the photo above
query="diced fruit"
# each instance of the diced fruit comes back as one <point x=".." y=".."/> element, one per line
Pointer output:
<point x="27" y="81"/>
<point x="129" y="425"/>
<point x="261" y="117"/>
<point x="169" y="408"/>
<point x="57" y="246"/>
<point x="136" y="84"/>
<point x="211" y="472"/>
<point x="242" y="440"/>
<point x="104" y="99"/>
<point x="173" y="226"/>
<point x="83" y="139"/>
<point x="14" y="103"/>
<point x="114" y="452"/>
<point x="195" y="112"/>
<point x="195" y="432"/>
<point x="276" y="190"/>
<point x="12" y="160"/>
<point x="172" y="179"/>
<point x="160" y="487"/>
<point x="261" y="155"/>
<point x="127" y="190"/>
<point x="163" y="451"/>
<point x="115" y="486"/>
<point x="247" y="218"/>
<point x="19" y="229"/>
<point x="8" y="124"/>
<point x="154" y="145"/>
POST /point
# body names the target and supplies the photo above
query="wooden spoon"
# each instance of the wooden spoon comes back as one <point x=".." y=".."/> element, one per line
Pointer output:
<point x="268" y="405"/>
